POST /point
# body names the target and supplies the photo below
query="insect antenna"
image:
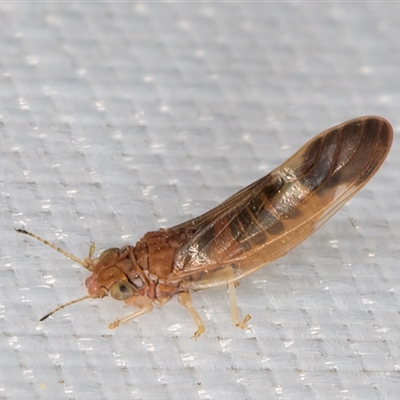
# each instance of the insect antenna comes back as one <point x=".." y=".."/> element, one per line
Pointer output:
<point x="63" y="306"/>
<point x="84" y="263"/>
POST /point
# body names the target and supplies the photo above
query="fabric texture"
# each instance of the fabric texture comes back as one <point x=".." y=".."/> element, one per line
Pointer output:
<point x="119" y="118"/>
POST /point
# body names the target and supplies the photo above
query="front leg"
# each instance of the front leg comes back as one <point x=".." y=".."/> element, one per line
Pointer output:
<point x="144" y="304"/>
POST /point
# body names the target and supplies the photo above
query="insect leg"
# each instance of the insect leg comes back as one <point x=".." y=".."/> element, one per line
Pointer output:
<point x="234" y="308"/>
<point x="143" y="310"/>
<point x="186" y="301"/>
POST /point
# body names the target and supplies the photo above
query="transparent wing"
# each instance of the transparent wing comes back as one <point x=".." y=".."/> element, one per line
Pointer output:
<point x="274" y="214"/>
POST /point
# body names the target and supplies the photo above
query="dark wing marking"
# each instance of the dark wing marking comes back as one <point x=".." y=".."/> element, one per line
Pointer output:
<point x="268" y="218"/>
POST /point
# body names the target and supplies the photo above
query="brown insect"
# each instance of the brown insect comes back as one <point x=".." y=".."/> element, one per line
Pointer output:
<point x="253" y="227"/>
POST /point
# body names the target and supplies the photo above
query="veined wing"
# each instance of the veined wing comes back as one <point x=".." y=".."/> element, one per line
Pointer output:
<point x="232" y="205"/>
<point x="276" y="213"/>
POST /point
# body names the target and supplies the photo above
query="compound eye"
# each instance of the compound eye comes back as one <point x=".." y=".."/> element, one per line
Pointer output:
<point x="122" y="290"/>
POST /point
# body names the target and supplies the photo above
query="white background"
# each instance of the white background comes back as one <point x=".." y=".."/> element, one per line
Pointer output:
<point x="119" y="118"/>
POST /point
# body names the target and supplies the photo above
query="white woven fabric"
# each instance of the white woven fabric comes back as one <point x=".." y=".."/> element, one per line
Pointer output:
<point x="118" y="118"/>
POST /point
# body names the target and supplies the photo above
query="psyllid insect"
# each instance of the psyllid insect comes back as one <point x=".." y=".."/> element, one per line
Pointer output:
<point x="253" y="227"/>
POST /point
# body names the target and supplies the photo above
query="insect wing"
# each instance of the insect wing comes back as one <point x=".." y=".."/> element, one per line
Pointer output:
<point x="271" y="216"/>
<point x="232" y="205"/>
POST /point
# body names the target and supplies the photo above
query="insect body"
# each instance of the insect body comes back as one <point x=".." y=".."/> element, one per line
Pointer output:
<point x="253" y="227"/>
